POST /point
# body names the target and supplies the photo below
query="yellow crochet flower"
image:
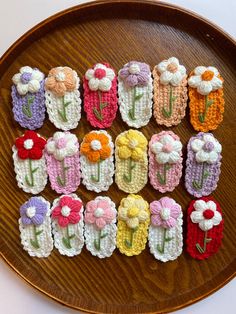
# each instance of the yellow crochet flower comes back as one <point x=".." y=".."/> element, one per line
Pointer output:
<point x="131" y="144"/>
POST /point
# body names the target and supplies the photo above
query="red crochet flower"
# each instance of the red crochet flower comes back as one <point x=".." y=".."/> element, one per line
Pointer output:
<point x="30" y="145"/>
<point x="68" y="211"/>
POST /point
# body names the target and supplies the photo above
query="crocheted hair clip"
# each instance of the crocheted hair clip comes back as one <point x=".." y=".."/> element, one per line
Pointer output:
<point x="35" y="227"/>
<point x="165" y="232"/>
<point x="170" y="92"/>
<point x="67" y="224"/>
<point x="29" y="162"/>
<point x="28" y="98"/>
<point x="131" y="161"/>
<point x="97" y="161"/>
<point x="63" y="98"/>
<point x="133" y="222"/>
<point x="165" y="161"/>
<point x="63" y="165"/>
<point x="100" y="226"/>
<point x="100" y="95"/>
<point x="203" y="164"/>
<point x="206" y="98"/>
<point x="204" y="228"/>
<point x="135" y="93"/>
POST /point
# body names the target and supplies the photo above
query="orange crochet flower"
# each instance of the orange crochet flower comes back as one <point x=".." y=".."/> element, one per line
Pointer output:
<point x="61" y="80"/>
<point x="95" y="147"/>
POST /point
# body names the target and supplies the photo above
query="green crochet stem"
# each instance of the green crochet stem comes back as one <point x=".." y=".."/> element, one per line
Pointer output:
<point x="129" y="243"/>
<point x="172" y="99"/>
<point x="61" y="180"/>
<point x="161" y="248"/>
<point x="26" y="108"/>
<point x="208" y="103"/>
<point x="102" y="105"/>
<point x="97" y="177"/>
<point x="198" y="185"/>
<point x="162" y="179"/>
<point x="34" y="242"/>
<point x="30" y="180"/>
<point x="97" y="242"/>
<point x="131" y="166"/>
<point x="62" y="113"/>
<point x="134" y="100"/>
<point x="66" y="240"/>
<point x="205" y="241"/>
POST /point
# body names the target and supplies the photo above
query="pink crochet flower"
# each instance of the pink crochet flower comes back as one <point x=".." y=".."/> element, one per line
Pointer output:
<point x="68" y="211"/>
<point x="164" y="213"/>
<point x="99" y="213"/>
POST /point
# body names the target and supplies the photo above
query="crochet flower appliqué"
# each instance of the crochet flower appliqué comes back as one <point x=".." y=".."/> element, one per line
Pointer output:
<point x="207" y="149"/>
<point x="171" y="72"/>
<point x="28" y="80"/>
<point x="135" y="74"/>
<point x="100" y="78"/>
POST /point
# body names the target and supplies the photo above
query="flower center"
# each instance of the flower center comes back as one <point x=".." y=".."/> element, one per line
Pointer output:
<point x="167" y="148"/>
<point x="208" y="214"/>
<point x="134" y="68"/>
<point x="208" y="146"/>
<point x="165" y="213"/>
<point x="25" y="77"/>
<point x="98" y="212"/>
<point x="65" y="211"/>
<point x="99" y="73"/>
<point x="95" y="145"/>
<point x="172" y="67"/>
<point x="61" y="143"/>
<point x="28" y="144"/>
<point x="60" y="76"/>
<point x="133" y="212"/>
<point x="31" y="211"/>
<point x="133" y="143"/>
<point x="207" y="76"/>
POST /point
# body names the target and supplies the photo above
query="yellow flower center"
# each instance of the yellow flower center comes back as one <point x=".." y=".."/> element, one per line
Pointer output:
<point x="133" y="143"/>
<point x="207" y="75"/>
<point x="133" y="212"/>
<point x="172" y="67"/>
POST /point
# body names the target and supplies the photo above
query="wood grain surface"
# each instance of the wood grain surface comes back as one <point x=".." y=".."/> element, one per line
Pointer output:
<point x="117" y="32"/>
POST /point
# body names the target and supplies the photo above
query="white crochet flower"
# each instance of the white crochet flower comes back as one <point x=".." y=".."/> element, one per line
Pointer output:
<point x="207" y="149"/>
<point x="167" y="150"/>
<point x="100" y="78"/>
<point x="171" y="72"/>
<point x="63" y="144"/>
<point x="206" y="215"/>
<point x="205" y="80"/>
<point x="28" y="80"/>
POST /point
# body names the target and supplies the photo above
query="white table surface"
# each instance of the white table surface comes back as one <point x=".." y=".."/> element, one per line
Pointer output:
<point x="18" y="16"/>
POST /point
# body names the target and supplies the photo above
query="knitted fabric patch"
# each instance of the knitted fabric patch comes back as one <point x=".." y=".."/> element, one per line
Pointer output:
<point x="165" y="161"/>
<point x="63" y="164"/>
<point x="170" y="92"/>
<point x="63" y="98"/>
<point x="203" y="164"/>
<point x="135" y="93"/>
<point x="29" y="162"/>
<point x="35" y="227"/>
<point x="67" y="224"/>
<point x="28" y="98"/>
<point x="165" y="232"/>
<point x="204" y="228"/>
<point x="100" y="226"/>
<point x="206" y="110"/>
<point x="100" y="95"/>
<point x="131" y="168"/>
<point x="133" y="221"/>
<point x="97" y="161"/>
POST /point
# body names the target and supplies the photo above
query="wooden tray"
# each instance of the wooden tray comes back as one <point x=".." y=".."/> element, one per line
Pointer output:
<point x="119" y="31"/>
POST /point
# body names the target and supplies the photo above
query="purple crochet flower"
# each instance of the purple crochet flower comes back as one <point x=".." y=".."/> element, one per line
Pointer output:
<point x="135" y="74"/>
<point x="164" y="213"/>
<point x="33" y="212"/>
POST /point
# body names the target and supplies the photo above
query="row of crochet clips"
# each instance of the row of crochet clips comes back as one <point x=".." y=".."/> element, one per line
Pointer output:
<point x="68" y="226"/>
<point x="65" y="162"/>
<point x="165" y="91"/>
